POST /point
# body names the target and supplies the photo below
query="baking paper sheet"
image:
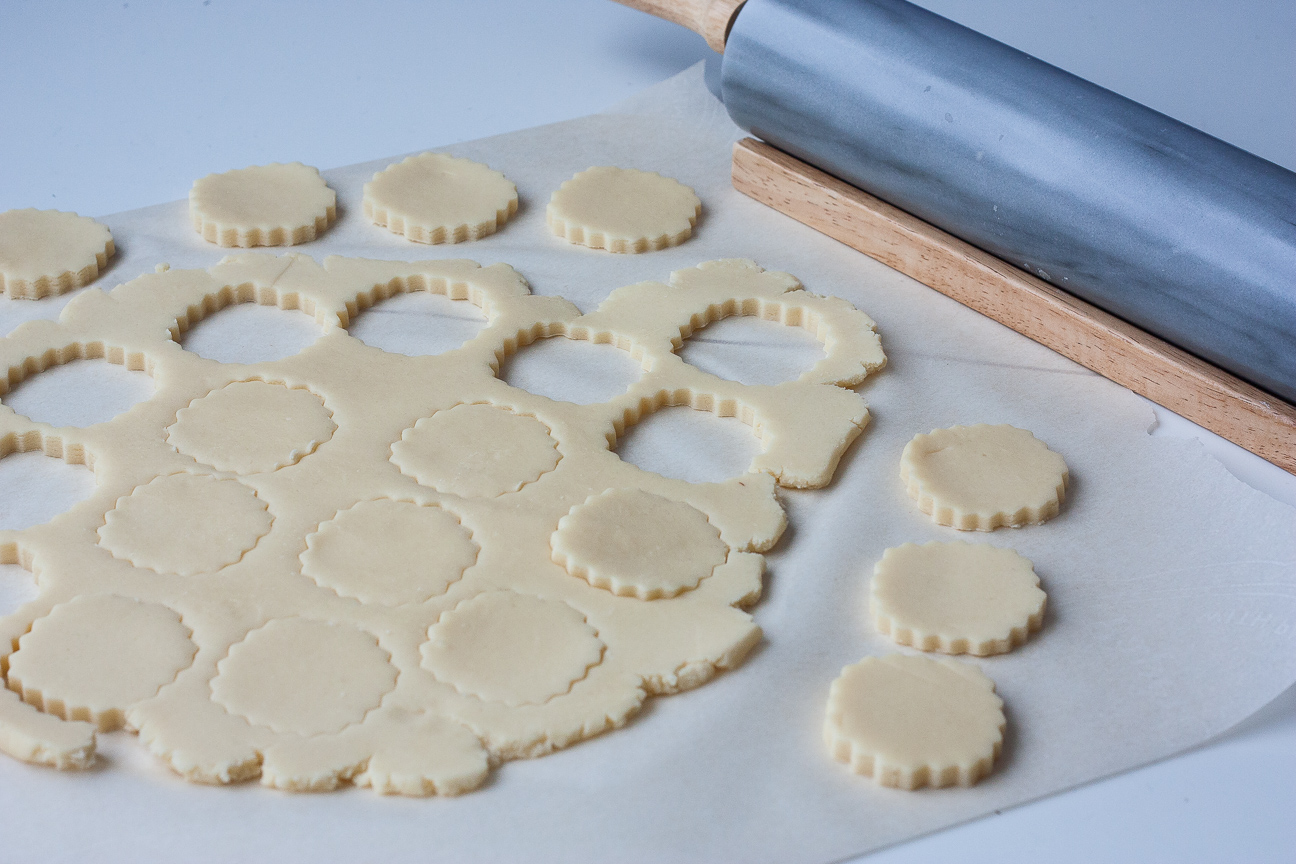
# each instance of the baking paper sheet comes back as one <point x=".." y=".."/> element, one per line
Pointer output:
<point x="1172" y="586"/>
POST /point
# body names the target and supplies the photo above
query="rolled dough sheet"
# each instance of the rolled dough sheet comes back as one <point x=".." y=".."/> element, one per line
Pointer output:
<point x="1156" y="539"/>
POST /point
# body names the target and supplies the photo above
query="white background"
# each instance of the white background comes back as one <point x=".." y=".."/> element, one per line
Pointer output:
<point x="111" y="106"/>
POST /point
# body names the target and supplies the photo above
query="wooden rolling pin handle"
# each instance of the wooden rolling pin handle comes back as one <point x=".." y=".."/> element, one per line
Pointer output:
<point x="709" y="18"/>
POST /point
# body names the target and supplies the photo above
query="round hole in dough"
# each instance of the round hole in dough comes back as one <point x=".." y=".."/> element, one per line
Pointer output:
<point x="250" y="427"/>
<point x="281" y="204"/>
<point x="438" y="198"/>
<point x="914" y="721"/>
<point x="476" y="451"/>
<point x="502" y="646"/>
<point x="94" y="656"/>
<point x="389" y="552"/>
<point x="219" y="520"/>
<point x="623" y="210"/>
<point x="636" y="544"/>
<point x="298" y="675"/>
<point x="45" y="252"/>
<point x="956" y="598"/>
<point x="978" y="478"/>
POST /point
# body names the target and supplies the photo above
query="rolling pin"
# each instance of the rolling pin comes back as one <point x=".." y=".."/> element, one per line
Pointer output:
<point x="1154" y="223"/>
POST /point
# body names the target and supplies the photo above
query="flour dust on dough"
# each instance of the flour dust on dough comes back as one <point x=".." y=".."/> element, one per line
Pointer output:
<point x="911" y="722"/>
<point x="336" y="567"/>
<point x="45" y="252"/>
<point x="956" y="598"/>
<point x="623" y="210"/>
<point x="979" y="478"/>
<point x="281" y="204"/>
<point x="438" y="198"/>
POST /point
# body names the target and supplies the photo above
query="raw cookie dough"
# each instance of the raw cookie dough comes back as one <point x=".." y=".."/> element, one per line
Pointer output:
<point x="46" y="252"/>
<point x="978" y="478"/>
<point x="913" y="721"/>
<point x="281" y="204"/>
<point x="437" y="198"/>
<point x="623" y="210"/>
<point x="367" y="581"/>
<point x="956" y="598"/>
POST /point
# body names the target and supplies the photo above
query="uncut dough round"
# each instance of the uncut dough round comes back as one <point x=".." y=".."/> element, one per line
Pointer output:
<point x="956" y="598"/>
<point x="502" y="646"/>
<point x="636" y="544"/>
<point x="979" y="478"/>
<point x="250" y="427"/>
<point x="476" y="451"/>
<point x="45" y="252"/>
<point x="437" y="198"/>
<point x="623" y="210"/>
<point x="219" y="520"/>
<point x="94" y="656"/>
<point x="910" y="722"/>
<point x="389" y="552"/>
<point x="281" y="204"/>
<point x="306" y="677"/>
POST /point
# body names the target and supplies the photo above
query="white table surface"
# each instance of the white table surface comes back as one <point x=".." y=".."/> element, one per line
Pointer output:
<point x="111" y="106"/>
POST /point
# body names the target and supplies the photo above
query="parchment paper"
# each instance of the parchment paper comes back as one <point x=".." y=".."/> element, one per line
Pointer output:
<point x="1172" y="586"/>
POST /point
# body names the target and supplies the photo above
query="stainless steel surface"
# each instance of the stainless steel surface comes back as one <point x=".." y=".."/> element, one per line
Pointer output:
<point x="1176" y="231"/>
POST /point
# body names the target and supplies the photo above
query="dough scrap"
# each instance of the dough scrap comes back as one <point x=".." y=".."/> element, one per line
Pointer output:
<point x="623" y="210"/>
<point x="636" y="544"/>
<point x="250" y="427"/>
<point x="477" y="451"/>
<point x="281" y="204"/>
<point x="438" y="198"/>
<point x="45" y="252"/>
<point x="93" y="657"/>
<point x="389" y="552"/>
<point x="911" y="722"/>
<point x="185" y="524"/>
<point x="956" y="598"/>
<point x="513" y="648"/>
<point x="309" y="680"/>
<point x="979" y="478"/>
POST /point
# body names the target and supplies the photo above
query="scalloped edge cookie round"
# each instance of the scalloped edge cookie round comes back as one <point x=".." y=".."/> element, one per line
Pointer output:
<point x="44" y="252"/>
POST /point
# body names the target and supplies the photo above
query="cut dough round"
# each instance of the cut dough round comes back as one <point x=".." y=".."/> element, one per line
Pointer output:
<point x="437" y="198"/>
<point x="93" y="657"/>
<point x="476" y="451"/>
<point x="264" y="205"/>
<point x="636" y="544"/>
<point x="46" y="252"/>
<point x="502" y="646"/>
<point x="956" y="598"/>
<point x="250" y="427"/>
<point x="913" y="721"/>
<point x="623" y="210"/>
<point x="389" y="552"/>
<point x="978" y="478"/>
<point x="219" y="520"/>
<point x="302" y="676"/>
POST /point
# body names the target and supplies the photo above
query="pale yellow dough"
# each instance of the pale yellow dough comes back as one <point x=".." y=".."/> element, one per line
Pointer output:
<point x="623" y="210"/>
<point x="349" y="551"/>
<point x="979" y="478"/>
<point x="913" y="721"/>
<point x="956" y="598"/>
<point x="281" y="204"/>
<point x="46" y="252"/>
<point x="437" y="198"/>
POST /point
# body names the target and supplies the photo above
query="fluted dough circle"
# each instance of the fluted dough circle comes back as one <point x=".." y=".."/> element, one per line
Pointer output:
<point x="281" y="204"/>
<point x="438" y="198"/>
<point x="46" y="252"/>
<point x="623" y="210"/>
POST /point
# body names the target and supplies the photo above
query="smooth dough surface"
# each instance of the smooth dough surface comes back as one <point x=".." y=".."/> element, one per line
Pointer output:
<point x="623" y="210"/>
<point x="45" y="252"/>
<point x="357" y="543"/>
<point x="979" y="478"/>
<point x="438" y="198"/>
<point x="281" y="204"/>
<point x="956" y="598"/>
<point x="913" y="721"/>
